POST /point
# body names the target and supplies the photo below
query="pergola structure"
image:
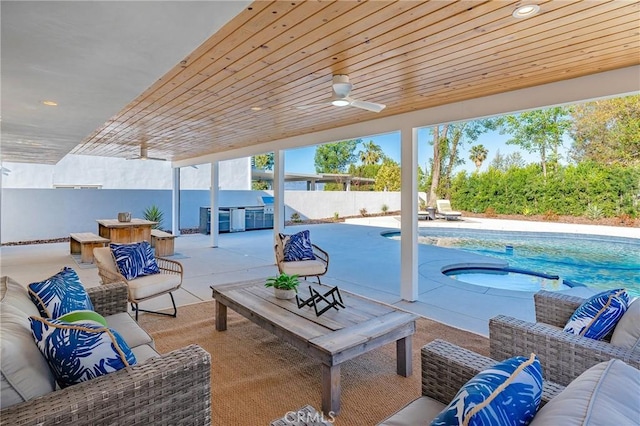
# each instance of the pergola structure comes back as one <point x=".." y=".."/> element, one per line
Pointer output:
<point x="261" y="80"/>
<point x="313" y="179"/>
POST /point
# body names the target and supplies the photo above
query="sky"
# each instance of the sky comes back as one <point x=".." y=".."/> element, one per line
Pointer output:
<point x="301" y="160"/>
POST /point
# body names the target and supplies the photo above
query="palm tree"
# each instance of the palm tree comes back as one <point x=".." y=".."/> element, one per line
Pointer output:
<point x="371" y="154"/>
<point x="478" y="154"/>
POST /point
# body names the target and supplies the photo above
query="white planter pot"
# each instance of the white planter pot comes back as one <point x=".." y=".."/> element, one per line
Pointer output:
<point x="284" y="294"/>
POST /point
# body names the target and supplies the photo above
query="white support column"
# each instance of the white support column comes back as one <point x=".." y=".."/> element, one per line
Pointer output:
<point x="409" y="218"/>
<point x="175" y="202"/>
<point x="278" y="192"/>
<point x="215" y="203"/>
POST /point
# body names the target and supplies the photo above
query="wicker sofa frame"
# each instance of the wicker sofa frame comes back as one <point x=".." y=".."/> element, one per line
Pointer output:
<point x="563" y="356"/>
<point x="172" y="389"/>
<point x="447" y="367"/>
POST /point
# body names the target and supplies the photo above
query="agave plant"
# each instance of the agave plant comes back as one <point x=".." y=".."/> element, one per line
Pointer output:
<point x="154" y="214"/>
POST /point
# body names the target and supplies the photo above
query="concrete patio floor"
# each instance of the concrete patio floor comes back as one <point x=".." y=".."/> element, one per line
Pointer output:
<point x="361" y="261"/>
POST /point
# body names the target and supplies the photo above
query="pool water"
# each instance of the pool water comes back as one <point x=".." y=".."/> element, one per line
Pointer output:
<point x="596" y="261"/>
<point x="508" y="280"/>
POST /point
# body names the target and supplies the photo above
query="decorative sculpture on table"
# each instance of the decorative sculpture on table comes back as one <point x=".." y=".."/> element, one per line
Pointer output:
<point x="332" y="298"/>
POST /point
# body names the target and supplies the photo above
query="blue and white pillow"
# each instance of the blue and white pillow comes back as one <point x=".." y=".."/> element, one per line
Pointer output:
<point x="297" y="246"/>
<point x="508" y="393"/>
<point x="599" y="314"/>
<point x="59" y="294"/>
<point x="134" y="260"/>
<point x="80" y="352"/>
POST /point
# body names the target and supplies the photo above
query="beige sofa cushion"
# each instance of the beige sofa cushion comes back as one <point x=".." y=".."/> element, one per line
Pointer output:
<point x="130" y="331"/>
<point x="417" y="413"/>
<point x="12" y="293"/>
<point x="627" y="331"/>
<point x="143" y="353"/>
<point x="25" y="373"/>
<point x="605" y="394"/>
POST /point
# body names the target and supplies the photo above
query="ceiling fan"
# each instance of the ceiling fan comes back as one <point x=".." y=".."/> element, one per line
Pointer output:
<point x="144" y="155"/>
<point x="341" y="90"/>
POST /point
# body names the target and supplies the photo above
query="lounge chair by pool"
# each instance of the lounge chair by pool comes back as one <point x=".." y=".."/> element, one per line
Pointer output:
<point x="444" y="210"/>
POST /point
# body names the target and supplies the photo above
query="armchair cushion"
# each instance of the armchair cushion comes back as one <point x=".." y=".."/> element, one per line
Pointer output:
<point x="627" y="332"/>
<point x="599" y="314"/>
<point x="80" y="352"/>
<point x="60" y="294"/>
<point x="509" y="393"/>
<point x="304" y="268"/>
<point x="297" y="246"/>
<point x="605" y="394"/>
<point x="150" y="285"/>
<point x="135" y="260"/>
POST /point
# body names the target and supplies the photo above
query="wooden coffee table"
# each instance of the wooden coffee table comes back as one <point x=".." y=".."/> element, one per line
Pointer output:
<point x="332" y="338"/>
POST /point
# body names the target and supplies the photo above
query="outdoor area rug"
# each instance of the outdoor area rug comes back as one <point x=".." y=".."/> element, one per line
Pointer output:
<point x="257" y="378"/>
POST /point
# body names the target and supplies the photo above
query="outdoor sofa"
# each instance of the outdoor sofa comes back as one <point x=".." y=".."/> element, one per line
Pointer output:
<point x="564" y="356"/>
<point x="168" y="389"/>
<point x="609" y="389"/>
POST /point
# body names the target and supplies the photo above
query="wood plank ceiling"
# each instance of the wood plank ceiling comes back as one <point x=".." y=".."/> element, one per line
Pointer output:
<point x="243" y="85"/>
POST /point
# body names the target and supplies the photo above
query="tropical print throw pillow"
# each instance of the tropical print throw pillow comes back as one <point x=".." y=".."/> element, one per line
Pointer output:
<point x="80" y="352"/>
<point x="135" y="260"/>
<point x="60" y="294"/>
<point x="599" y="314"/>
<point x="508" y="393"/>
<point x="297" y="246"/>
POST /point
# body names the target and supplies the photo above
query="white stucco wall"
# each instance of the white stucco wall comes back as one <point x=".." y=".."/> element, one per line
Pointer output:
<point x="33" y="214"/>
<point x="118" y="173"/>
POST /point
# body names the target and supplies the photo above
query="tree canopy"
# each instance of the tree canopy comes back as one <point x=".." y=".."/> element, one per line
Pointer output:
<point x="335" y="157"/>
<point x="607" y="131"/>
<point x="539" y="131"/>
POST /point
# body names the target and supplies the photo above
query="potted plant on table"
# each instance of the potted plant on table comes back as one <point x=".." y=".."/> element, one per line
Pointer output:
<point x="284" y="286"/>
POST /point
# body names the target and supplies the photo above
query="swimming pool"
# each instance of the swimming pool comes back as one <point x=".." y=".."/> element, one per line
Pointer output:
<point x="596" y="261"/>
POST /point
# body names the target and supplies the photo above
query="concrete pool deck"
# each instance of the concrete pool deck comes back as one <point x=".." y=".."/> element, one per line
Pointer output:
<point x="361" y="261"/>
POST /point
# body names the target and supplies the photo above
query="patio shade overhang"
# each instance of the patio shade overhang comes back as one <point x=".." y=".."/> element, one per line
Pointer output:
<point x="240" y="90"/>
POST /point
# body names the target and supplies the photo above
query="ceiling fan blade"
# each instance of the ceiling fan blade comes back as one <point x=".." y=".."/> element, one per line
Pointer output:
<point x="369" y="106"/>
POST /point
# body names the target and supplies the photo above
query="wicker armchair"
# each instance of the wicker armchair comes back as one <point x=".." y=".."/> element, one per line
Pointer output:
<point x="143" y="288"/>
<point x="445" y="369"/>
<point x="563" y="356"/>
<point x="171" y="389"/>
<point x="302" y="268"/>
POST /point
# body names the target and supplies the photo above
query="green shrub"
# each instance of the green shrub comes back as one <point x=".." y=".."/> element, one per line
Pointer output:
<point x="295" y="217"/>
<point x="384" y="208"/>
<point x="568" y="190"/>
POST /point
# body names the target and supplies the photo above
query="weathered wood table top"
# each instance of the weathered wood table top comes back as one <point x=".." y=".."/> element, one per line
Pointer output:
<point x="332" y="338"/>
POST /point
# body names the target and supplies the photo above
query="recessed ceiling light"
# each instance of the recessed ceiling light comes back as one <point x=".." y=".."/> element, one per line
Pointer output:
<point x="256" y="109"/>
<point x="340" y="102"/>
<point x="49" y="103"/>
<point x="526" y="11"/>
